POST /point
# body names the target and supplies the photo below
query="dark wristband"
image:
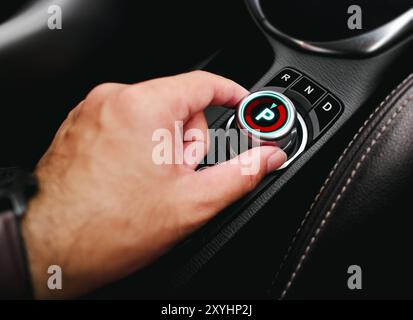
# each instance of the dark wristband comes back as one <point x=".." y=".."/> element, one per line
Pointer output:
<point x="15" y="280"/>
<point x="17" y="187"/>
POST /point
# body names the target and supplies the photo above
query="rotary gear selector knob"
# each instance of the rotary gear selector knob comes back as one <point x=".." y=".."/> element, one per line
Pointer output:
<point x="268" y="118"/>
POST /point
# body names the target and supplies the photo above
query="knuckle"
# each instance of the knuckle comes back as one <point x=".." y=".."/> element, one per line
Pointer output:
<point x="100" y="91"/>
<point x="201" y="73"/>
<point x="250" y="182"/>
<point x="72" y="114"/>
<point x="128" y="97"/>
<point x="178" y="107"/>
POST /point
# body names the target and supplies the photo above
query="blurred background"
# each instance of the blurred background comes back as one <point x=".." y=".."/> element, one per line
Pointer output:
<point x="45" y="73"/>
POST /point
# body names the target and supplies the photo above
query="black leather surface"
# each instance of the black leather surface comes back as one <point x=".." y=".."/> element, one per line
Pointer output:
<point x="362" y="215"/>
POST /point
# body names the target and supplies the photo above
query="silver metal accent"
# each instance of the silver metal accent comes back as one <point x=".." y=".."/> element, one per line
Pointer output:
<point x="365" y="44"/>
<point x="280" y="137"/>
<point x="303" y="143"/>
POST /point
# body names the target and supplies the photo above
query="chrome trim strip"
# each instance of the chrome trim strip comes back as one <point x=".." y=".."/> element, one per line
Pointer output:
<point x="304" y="140"/>
<point x="365" y="44"/>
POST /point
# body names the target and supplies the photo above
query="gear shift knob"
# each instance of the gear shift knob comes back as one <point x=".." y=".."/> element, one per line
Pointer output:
<point x="268" y="118"/>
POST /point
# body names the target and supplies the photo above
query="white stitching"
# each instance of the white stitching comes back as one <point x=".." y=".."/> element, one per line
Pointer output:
<point x="327" y="180"/>
<point x="343" y="190"/>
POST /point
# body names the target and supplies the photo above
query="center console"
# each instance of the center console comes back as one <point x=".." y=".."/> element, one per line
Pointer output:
<point x="320" y="80"/>
<point x="292" y="111"/>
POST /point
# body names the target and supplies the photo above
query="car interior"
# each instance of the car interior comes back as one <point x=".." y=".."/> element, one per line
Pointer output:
<point x="343" y="197"/>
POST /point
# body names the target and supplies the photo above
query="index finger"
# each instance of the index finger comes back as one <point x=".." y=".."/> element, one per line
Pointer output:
<point x="189" y="93"/>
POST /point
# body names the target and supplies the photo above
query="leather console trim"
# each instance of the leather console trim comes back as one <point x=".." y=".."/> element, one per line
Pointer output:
<point x="365" y="132"/>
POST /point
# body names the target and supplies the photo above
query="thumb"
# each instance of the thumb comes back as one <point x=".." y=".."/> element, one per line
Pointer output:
<point x="225" y="183"/>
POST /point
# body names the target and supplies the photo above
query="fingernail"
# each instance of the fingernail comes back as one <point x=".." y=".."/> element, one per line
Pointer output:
<point x="276" y="160"/>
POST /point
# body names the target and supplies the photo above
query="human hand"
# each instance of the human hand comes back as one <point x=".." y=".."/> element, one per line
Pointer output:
<point x="104" y="208"/>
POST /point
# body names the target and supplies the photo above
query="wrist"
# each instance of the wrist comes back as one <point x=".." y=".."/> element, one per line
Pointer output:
<point x="45" y="247"/>
<point x="36" y="248"/>
<point x="51" y="240"/>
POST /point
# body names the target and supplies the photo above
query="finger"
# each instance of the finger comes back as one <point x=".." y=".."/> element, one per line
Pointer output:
<point x="194" y="153"/>
<point x="196" y="140"/>
<point x="225" y="183"/>
<point x="190" y="93"/>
